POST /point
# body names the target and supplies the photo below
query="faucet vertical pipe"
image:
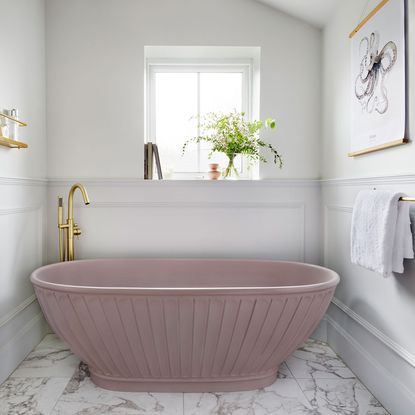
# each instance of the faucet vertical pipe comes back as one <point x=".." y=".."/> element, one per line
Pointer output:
<point x="61" y="231"/>
<point x="70" y="229"/>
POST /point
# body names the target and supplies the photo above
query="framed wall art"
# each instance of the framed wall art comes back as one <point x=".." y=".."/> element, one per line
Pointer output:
<point x="378" y="84"/>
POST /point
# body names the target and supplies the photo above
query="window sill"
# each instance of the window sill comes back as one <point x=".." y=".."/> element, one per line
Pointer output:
<point x="136" y="182"/>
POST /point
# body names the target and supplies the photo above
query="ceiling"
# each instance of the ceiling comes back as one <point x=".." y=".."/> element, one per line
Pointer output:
<point x="316" y="12"/>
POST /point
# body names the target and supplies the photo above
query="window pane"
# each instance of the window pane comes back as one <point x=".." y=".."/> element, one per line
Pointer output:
<point x="219" y="92"/>
<point x="176" y="104"/>
<point x="178" y="97"/>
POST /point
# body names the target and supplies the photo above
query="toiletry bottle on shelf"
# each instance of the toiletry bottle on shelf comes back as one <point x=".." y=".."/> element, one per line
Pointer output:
<point x="13" y="126"/>
<point x="5" y="124"/>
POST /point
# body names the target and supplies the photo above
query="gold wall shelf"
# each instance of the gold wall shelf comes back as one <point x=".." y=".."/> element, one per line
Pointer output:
<point x="22" y="124"/>
<point x="8" y="142"/>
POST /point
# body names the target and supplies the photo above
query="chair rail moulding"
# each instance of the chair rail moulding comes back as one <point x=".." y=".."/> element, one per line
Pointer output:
<point x="21" y="181"/>
<point x="100" y="182"/>
<point x="370" y="181"/>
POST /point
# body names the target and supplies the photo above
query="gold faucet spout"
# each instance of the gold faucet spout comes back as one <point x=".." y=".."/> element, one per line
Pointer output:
<point x="70" y="198"/>
<point x="70" y="229"/>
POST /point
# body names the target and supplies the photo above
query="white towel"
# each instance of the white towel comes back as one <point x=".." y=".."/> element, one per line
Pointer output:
<point x="403" y="246"/>
<point x="381" y="235"/>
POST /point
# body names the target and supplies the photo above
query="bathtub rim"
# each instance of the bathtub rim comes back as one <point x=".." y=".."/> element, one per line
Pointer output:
<point x="218" y="290"/>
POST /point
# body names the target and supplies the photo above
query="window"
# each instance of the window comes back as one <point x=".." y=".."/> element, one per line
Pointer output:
<point x="177" y="93"/>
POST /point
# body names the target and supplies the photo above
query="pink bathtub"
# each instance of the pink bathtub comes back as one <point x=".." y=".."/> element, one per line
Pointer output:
<point x="183" y="325"/>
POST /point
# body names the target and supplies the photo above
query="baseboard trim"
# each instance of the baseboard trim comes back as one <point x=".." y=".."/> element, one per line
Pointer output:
<point x="382" y="337"/>
<point x="21" y="344"/>
<point x="320" y="333"/>
<point x="395" y="396"/>
<point x="13" y="313"/>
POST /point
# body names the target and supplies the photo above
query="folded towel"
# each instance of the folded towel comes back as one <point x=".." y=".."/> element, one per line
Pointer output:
<point x="381" y="235"/>
<point x="403" y="246"/>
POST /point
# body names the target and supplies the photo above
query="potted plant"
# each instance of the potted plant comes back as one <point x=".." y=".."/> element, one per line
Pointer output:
<point x="232" y="134"/>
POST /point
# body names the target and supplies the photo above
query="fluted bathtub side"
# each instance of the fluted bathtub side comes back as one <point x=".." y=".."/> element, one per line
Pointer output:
<point x="184" y="341"/>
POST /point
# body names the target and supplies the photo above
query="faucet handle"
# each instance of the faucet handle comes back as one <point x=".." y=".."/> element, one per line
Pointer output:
<point x="76" y="230"/>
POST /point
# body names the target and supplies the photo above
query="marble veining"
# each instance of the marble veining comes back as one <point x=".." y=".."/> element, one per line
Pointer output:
<point x="314" y="381"/>
<point x="50" y="358"/>
<point x="315" y="360"/>
<point x="83" y="397"/>
<point x="284" y="397"/>
<point x="32" y="396"/>
<point x="284" y="372"/>
<point x="340" y="397"/>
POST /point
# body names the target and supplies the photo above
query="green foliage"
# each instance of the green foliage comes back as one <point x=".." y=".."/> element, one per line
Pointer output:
<point x="232" y="134"/>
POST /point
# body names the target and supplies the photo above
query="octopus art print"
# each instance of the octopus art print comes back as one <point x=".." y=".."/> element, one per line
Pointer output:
<point x="370" y="85"/>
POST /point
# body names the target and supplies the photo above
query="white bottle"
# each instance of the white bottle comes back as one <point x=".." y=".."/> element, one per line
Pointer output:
<point x="13" y="126"/>
<point x="3" y="129"/>
<point x="4" y="123"/>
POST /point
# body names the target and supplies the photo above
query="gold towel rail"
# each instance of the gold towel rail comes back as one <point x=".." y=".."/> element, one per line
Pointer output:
<point x="404" y="198"/>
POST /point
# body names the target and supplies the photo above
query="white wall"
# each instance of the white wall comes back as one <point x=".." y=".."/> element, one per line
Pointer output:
<point x="22" y="84"/>
<point x="370" y="323"/>
<point x="95" y="65"/>
<point x="22" y="190"/>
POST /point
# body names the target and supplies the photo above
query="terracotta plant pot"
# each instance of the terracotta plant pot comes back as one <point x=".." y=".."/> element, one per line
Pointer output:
<point x="213" y="173"/>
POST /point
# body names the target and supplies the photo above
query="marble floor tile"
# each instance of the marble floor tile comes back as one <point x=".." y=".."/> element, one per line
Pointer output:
<point x="51" y="358"/>
<point x="52" y="341"/>
<point x="314" y="381"/>
<point x="284" y="372"/>
<point x="284" y="397"/>
<point x="82" y="397"/>
<point x="315" y="360"/>
<point x="317" y="346"/>
<point x="340" y="397"/>
<point x="30" y="396"/>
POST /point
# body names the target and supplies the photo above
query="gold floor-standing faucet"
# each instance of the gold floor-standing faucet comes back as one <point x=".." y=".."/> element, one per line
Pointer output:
<point x="68" y="230"/>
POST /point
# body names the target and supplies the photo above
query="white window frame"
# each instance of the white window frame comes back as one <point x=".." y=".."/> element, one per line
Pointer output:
<point x="153" y="66"/>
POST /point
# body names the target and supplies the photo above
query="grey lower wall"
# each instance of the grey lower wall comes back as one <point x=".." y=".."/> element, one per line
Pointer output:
<point x="370" y="322"/>
<point x="275" y="219"/>
<point x="23" y="248"/>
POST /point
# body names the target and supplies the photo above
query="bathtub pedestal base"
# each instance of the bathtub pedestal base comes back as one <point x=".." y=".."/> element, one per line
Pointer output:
<point x="229" y="384"/>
